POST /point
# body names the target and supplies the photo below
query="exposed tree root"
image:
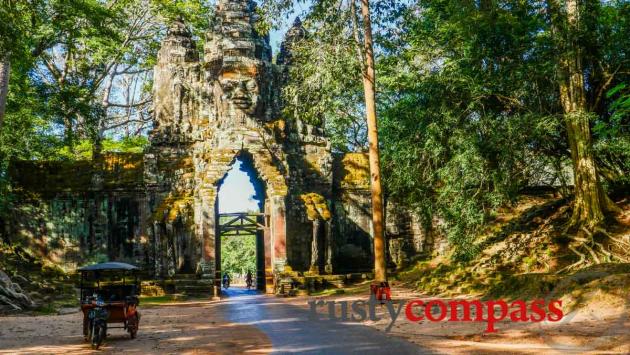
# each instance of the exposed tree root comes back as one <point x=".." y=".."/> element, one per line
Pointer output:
<point x="592" y="252"/>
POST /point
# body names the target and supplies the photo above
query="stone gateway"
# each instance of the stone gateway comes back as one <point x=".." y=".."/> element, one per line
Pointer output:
<point x="159" y="209"/>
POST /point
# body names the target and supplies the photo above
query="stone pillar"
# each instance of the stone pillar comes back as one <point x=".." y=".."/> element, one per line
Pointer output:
<point x="141" y="233"/>
<point x="218" y="274"/>
<point x="314" y="268"/>
<point x="260" y="257"/>
<point x="157" y="250"/>
<point x="207" y="231"/>
<point x="328" y="269"/>
<point x="171" y="255"/>
<point x="150" y="250"/>
<point x="268" y="268"/>
<point x="279" y="233"/>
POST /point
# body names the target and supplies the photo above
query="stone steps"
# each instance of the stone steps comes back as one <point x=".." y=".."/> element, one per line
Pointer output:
<point x="191" y="284"/>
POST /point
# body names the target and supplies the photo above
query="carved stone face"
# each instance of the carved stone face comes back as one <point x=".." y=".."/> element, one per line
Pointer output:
<point x="243" y="93"/>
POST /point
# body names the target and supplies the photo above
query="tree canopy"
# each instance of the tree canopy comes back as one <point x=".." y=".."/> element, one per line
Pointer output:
<point x="470" y="99"/>
<point x="476" y="100"/>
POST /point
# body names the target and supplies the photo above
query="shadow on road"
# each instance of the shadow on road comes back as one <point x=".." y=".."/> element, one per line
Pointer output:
<point x="292" y="329"/>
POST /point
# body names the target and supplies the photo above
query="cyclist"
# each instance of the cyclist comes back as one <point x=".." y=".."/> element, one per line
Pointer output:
<point x="226" y="280"/>
<point x="249" y="279"/>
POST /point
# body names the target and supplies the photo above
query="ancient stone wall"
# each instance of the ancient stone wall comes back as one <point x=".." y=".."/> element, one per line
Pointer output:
<point x="352" y="213"/>
<point x="73" y="211"/>
<point x="406" y="234"/>
<point x="212" y="105"/>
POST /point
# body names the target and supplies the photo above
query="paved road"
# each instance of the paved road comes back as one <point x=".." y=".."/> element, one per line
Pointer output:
<point x="291" y="331"/>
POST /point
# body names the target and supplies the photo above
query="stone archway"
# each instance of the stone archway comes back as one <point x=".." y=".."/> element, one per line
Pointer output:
<point x="209" y="111"/>
<point x="243" y="221"/>
<point x="207" y="212"/>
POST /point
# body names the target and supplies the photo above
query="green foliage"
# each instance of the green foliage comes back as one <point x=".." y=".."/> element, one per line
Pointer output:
<point x="325" y="86"/>
<point x="16" y="16"/>
<point x="613" y="158"/>
<point x="194" y="12"/>
<point x="69" y="59"/>
<point x="467" y="115"/>
<point x="469" y="112"/>
<point x="70" y="55"/>
<point x="84" y="149"/>
<point x="238" y="254"/>
<point x="325" y="80"/>
<point x="468" y="101"/>
<point x="618" y="123"/>
<point x="96" y="258"/>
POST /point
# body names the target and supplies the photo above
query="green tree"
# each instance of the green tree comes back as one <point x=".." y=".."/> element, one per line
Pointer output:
<point x="16" y="16"/>
<point x="348" y="33"/>
<point x="573" y="24"/>
<point x="238" y="254"/>
<point x="469" y="116"/>
<point x="91" y="60"/>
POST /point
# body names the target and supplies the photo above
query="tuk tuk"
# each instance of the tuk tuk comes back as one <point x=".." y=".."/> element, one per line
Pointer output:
<point x="109" y="295"/>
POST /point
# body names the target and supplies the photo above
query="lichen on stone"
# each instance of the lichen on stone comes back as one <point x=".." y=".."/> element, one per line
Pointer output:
<point x="316" y="206"/>
<point x="173" y="207"/>
<point x="122" y="168"/>
<point x="356" y="170"/>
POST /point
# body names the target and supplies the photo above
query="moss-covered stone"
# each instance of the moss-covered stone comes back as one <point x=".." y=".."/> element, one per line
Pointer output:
<point x="116" y="170"/>
<point x="173" y="207"/>
<point x="352" y="171"/>
<point x="316" y="206"/>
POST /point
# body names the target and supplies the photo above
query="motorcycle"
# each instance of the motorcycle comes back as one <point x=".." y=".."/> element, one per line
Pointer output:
<point x="97" y="324"/>
<point x="249" y="283"/>
<point x="226" y="283"/>
<point x="106" y="302"/>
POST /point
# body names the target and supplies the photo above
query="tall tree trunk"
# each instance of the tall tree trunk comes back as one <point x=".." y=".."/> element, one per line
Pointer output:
<point x="590" y="199"/>
<point x="68" y="131"/>
<point x="369" y="86"/>
<point x="5" y="73"/>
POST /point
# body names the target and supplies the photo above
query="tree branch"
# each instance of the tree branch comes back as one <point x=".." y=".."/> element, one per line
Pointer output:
<point x="604" y="86"/>
<point x="137" y="104"/>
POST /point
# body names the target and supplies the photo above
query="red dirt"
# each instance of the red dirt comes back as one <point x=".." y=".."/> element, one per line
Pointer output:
<point x="180" y="328"/>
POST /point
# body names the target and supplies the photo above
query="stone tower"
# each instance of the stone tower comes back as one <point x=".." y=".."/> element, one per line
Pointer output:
<point x="158" y="209"/>
<point x="209" y="111"/>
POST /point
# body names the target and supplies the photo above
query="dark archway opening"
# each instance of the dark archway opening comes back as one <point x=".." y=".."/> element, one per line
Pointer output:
<point x="240" y="236"/>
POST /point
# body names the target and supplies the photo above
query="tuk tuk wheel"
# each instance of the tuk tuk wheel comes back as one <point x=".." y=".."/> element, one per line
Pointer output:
<point x="86" y="329"/>
<point x="132" y="325"/>
<point x="99" y="334"/>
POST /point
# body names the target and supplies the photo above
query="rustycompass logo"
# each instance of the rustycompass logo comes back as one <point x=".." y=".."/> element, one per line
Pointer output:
<point x="610" y="324"/>
<point x="435" y="310"/>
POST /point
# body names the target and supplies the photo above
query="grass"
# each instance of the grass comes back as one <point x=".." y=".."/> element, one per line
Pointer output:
<point x="328" y="292"/>
<point x="47" y="309"/>
<point x="355" y="289"/>
<point x="150" y="301"/>
<point x="52" y="308"/>
<point x="521" y="258"/>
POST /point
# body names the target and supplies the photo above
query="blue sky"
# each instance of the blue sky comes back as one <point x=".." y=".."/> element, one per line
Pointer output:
<point x="237" y="192"/>
<point x="276" y="36"/>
